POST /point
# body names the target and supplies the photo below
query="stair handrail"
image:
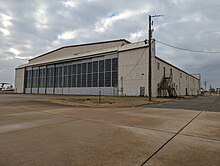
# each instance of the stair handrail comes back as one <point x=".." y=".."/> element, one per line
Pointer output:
<point x="161" y="81"/>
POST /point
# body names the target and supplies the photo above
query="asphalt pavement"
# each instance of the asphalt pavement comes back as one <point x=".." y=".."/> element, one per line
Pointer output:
<point x="37" y="133"/>
<point x="201" y="103"/>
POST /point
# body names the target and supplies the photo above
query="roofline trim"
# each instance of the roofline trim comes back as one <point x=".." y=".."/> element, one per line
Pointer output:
<point x="134" y="48"/>
<point x="176" y="67"/>
<point x="68" y="60"/>
<point x="77" y="45"/>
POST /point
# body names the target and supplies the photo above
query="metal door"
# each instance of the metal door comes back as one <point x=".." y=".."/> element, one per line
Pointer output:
<point x="142" y="91"/>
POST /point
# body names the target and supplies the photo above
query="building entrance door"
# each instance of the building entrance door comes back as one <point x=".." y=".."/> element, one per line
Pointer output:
<point x="142" y="91"/>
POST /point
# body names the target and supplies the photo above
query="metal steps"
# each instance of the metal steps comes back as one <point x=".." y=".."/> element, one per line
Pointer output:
<point x="166" y="87"/>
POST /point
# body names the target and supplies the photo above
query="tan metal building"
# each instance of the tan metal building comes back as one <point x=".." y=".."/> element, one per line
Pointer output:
<point x="115" y="67"/>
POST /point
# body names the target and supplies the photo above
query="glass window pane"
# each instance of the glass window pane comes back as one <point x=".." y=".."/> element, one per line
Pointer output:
<point x="35" y="78"/>
<point x="84" y="67"/>
<point x="65" y="81"/>
<point x="95" y="79"/>
<point x="73" y="69"/>
<point x="69" y="69"/>
<point x="69" y="80"/>
<point x="50" y="77"/>
<point x="78" y="68"/>
<point x="107" y="79"/>
<point x="101" y="79"/>
<point x="56" y="81"/>
<point x="108" y="65"/>
<point x="101" y="66"/>
<point x="65" y="70"/>
<point x="73" y="80"/>
<point x="89" y="80"/>
<point x="89" y="67"/>
<point x="79" y="82"/>
<point x="95" y="66"/>
<point x="60" y="82"/>
<point x="114" y="79"/>
<point x="84" y="80"/>
<point x="114" y="64"/>
<point x="56" y="71"/>
<point x="60" y="71"/>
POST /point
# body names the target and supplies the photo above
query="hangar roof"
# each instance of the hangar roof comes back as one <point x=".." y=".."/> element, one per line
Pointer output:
<point x="77" y="49"/>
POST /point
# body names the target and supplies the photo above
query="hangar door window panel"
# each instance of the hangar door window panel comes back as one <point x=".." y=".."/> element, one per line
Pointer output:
<point x="42" y="77"/>
<point x="79" y="75"/>
<point x="115" y="64"/>
<point x="115" y="72"/>
<point x="108" y="67"/>
<point x="101" y="73"/>
<point x="28" y="78"/>
<point x="56" y="78"/>
<point x="67" y="76"/>
<point x="89" y="75"/>
<point x="50" y="77"/>
<point x="114" y="79"/>
<point x="59" y="77"/>
<point x="84" y="72"/>
<point x="35" y="78"/>
<point x="107" y="79"/>
<point x="95" y="73"/>
<point x="73" y="77"/>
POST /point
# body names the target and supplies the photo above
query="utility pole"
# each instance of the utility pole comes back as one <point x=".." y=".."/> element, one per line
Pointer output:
<point x="149" y="65"/>
<point x="150" y="56"/>
<point x="205" y="85"/>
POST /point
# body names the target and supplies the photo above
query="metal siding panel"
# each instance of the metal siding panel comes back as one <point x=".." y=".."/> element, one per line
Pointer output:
<point x="19" y="80"/>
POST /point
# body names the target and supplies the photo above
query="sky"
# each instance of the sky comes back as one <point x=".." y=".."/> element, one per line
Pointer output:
<point x="29" y="28"/>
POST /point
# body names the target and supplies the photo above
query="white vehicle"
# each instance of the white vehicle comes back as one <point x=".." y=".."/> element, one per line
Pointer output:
<point x="6" y="87"/>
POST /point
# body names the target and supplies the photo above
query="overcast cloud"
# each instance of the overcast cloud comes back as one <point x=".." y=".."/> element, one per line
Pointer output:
<point x="30" y="28"/>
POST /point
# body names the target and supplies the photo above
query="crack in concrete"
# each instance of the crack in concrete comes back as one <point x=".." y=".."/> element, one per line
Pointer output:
<point x="170" y="139"/>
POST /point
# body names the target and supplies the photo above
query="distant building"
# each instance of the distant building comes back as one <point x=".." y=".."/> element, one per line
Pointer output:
<point x="218" y="90"/>
<point x="115" y="67"/>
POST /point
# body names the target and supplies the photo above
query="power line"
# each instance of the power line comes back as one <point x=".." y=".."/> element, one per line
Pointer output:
<point x="136" y="63"/>
<point x="185" y="49"/>
<point x="194" y="34"/>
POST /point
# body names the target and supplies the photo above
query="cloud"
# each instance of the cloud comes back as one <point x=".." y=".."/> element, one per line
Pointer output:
<point x="5" y="19"/>
<point x="135" y="36"/>
<point x="31" y="28"/>
<point x="5" y="32"/>
<point x="106" y="23"/>
<point x="70" y="3"/>
<point x="41" y="18"/>
<point x="68" y="35"/>
<point x="14" y="51"/>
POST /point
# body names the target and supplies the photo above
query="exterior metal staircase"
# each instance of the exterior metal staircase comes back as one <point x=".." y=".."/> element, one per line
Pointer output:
<point x="166" y="87"/>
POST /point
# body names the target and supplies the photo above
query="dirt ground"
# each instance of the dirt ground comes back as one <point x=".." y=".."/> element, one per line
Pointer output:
<point x="109" y="101"/>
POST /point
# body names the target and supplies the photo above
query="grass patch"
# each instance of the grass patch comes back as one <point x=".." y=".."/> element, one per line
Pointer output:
<point x="6" y="92"/>
<point x="107" y="101"/>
